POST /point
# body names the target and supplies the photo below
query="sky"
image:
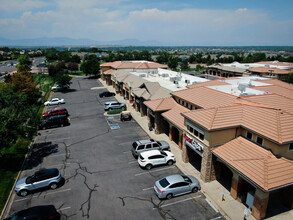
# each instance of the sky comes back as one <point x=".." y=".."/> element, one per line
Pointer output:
<point x="172" y="22"/>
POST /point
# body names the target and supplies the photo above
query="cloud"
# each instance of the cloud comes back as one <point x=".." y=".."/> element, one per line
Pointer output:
<point x="94" y="19"/>
<point x="21" y="5"/>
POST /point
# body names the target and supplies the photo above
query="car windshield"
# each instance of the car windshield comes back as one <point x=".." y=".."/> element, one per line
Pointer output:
<point x="141" y="157"/>
<point x="163" y="153"/>
<point x="29" y="179"/>
<point x="164" y="182"/>
<point x="186" y="179"/>
<point x="159" y="143"/>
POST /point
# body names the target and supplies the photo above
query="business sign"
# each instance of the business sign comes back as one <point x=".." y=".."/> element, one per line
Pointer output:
<point x="190" y="142"/>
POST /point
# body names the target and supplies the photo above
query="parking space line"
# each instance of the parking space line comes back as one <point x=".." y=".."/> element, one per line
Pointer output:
<point x="57" y="155"/>
<point x="132" y="162"/>
<point x="126" y="143"/>
<point x="184" y="200"/>
<point x="125" y="152"/>
<point x="56" y="165"/>
<point x="18" y="200"/>
<point x="138" y="174"/>
<point x="64" y="208"/>
<point x="216" y="218"/>
<point x="213" y="207"/>
<point x="147" y="188"/>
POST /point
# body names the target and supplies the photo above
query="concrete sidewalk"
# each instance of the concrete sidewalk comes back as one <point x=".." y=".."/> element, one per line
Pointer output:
<point x="229" y="208"/>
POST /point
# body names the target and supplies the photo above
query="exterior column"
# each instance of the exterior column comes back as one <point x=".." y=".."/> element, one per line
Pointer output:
<point x="207" y="166"/>
<point x="170" y="133"/>
<point x="289" y="196"/>
<point x="180" y="140"/>
<point x="235" y="185"/>
<point x="260" y="204"/>
<point x="185" y="157"/>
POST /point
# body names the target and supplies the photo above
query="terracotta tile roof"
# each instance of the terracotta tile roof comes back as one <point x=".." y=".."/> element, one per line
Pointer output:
<point x="272" y="100"/>
<point x="162" y="104"/>
<point x="268" y="70"/>
<point x="276" y="125"/>
<point x="274" y="89"/>
<point x="208" y="83"/>
<point x="134" y="65"/>
<point x="109" y="72"/>
<point x="174" y="115"/>
<point x="205" y="97"/>
<point x="277" y="83"/>
<point x="256" y="163"/>
<point x="276" y="63"/>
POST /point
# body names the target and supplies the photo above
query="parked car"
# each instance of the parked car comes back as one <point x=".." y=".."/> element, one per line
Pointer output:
<point x="56" y="111"/>
<point x="114" y="105"/>
<point x="55" y="121"/>
<point x="41" y="179"/>
<point x="176" y="185"/>
<point x="59" y="88"/>
<point x="55" y="101"/>
<point x="125" y="116"/>
<point x="148" y="159"/>
<point x="149" y="144"/>
<point x="106" y="94"/>
<point x="44" y="212"/>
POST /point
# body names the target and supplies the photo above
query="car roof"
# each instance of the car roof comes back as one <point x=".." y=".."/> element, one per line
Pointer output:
<point x="53" y="171"/>
<point x="146" y="141"/>
<point x="58" y="116"/>
<point x="37" y="210"/>
<point x="174" y="178"/>
<point x="111" y="102"/>
<point x="59" y="108"/>
<point x="150" y="153"/>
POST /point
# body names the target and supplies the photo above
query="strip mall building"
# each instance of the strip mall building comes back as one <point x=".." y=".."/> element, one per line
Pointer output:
<point x="238" y="131"/>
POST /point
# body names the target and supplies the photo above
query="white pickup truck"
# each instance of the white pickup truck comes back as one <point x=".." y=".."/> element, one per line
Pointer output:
<point x="55" y="101"/>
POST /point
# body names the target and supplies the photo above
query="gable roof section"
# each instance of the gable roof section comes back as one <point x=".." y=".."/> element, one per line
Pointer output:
<point x="205" y="97"/>
<point x="268" y="70"/>
<point x="277" y="83"/>
<point x="174" y="115"/>
<point x="274" y="89"/>
<point x="276" y="125"/>
<point x="162" y="104"/>
<point x="256" y="163"/>
<point x="109" y="72"/>
<point x="272" y="100"/>
<point x="134" y="65"/>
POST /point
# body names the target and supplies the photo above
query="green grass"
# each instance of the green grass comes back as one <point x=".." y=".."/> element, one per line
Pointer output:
<point x="10" y="164"/>
<point x="115" y="111"/>
<point x="76" y="73"/>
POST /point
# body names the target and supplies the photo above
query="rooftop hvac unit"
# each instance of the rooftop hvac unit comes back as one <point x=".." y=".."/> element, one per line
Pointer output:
<point x="165" y="75"/>
<point x="172" y="79"/>
<point x="187" y="81"/>
<point x="142" y="75"/>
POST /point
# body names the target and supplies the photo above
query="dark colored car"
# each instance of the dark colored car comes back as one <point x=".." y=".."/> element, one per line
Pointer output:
<point x="44" y="212"/>
<point x="106" y="94"/>
<point x="55" y="121"/>
<point x="56" y="111"/>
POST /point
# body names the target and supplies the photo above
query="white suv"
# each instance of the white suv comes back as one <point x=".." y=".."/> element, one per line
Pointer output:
<point x="148" y="159"/>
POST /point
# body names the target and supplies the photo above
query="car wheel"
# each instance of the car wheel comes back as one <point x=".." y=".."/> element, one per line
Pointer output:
<point x="195" y="189"/>
<point x="169" y="196"/>
<point x="53" y="185"/>
<point x="148" y="166"/>
<point x="23" y="193"/>
<point x="110" y="109"/>
<point x="170" y="162"/>
<point x="62" y="125"/>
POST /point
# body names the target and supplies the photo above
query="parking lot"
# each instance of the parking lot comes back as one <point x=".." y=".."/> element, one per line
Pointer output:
<point x="102" y="178"/>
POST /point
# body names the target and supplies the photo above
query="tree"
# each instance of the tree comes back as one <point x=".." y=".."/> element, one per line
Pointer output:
<point x="52" y="56"/>
<point x="75" y="59"/>
<point x="24" y="63"/>
<point x="91" y="67"/>
<point x="62" y="78"/>
<point x="289" y="78"/>
<point x="64" y="56"/>
<point x="173" y="62"/>
<point x="184" y="64"/>
<point x="72" y="66"/>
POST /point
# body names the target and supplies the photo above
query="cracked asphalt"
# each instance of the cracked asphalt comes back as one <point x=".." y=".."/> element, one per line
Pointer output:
<point x="101" y="178"/>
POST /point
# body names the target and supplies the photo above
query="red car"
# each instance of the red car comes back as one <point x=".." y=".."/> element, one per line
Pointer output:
<point x="56" y="111"/>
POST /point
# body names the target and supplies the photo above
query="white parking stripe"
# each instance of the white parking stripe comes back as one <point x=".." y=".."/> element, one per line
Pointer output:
<point x="138" y="174"/>
<point x="216" y="218"/>
<point x="214" y="208"/>
<point x="126" y="143"/>
<point x="57" y="155"/>
<point x="147" y="188"/>
<point x="132" y="162"/>
<point x="64" y="208"/>
<point x="184" y="200"/>
<point x="18" y="200"/>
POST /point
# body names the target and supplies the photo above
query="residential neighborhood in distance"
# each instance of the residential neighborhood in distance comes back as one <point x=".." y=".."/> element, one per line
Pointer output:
<point x="162" y="109"/>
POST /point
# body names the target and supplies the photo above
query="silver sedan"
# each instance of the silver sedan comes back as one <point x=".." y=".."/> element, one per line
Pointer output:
<point x="176" y="185"/>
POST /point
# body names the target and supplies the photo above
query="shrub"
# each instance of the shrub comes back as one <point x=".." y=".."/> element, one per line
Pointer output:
<point x="115" y="111"/>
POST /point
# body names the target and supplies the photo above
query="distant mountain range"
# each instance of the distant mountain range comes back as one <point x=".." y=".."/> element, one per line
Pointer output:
<point x="66" y="41"/>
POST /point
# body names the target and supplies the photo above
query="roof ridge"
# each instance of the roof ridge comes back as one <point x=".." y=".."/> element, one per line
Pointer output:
<point x="265" y="160"/>
<point x="213" y="118"/>
<point x="279" y="126"/>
